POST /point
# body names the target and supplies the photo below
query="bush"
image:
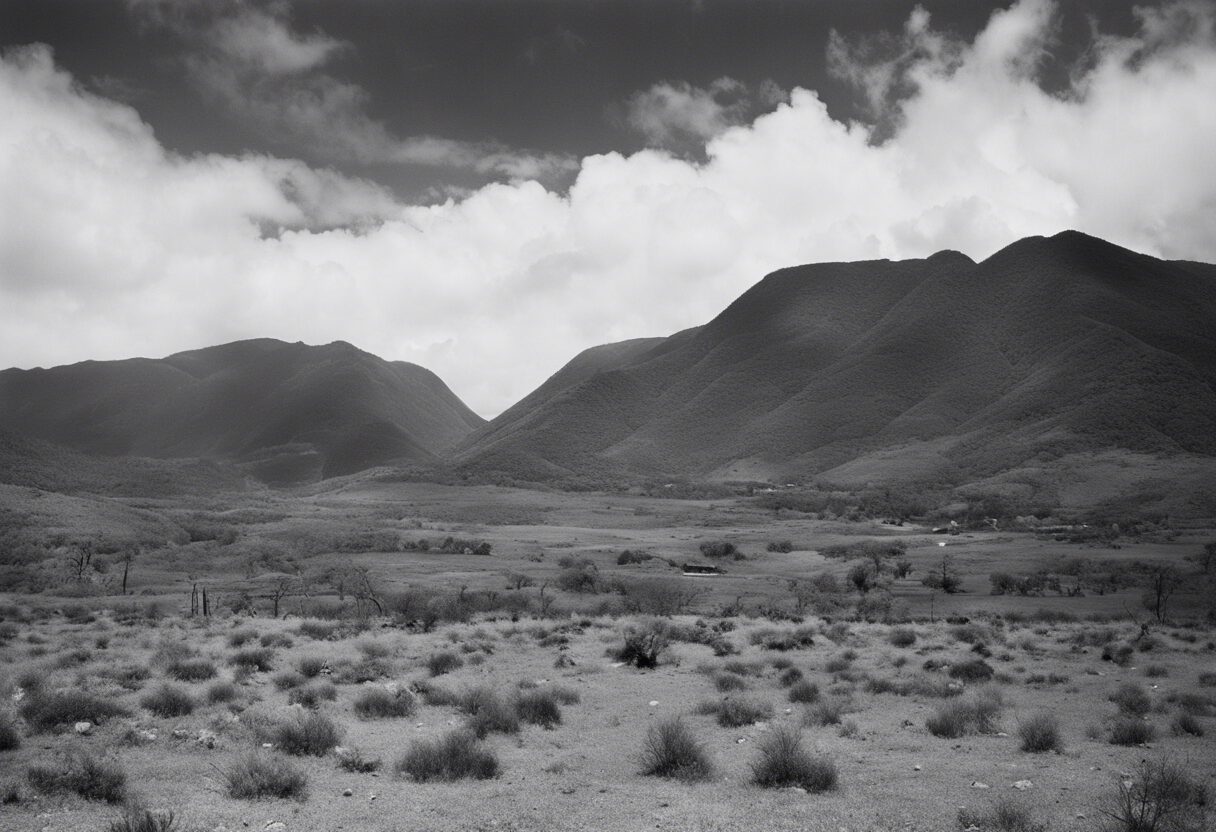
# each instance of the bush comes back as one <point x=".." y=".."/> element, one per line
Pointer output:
<point x="136" y="819"/>
<point x="168" y="701"/>
<point x="489" y="713"/>
<point x="260" y="659"/>
<point x="539" y="707"/>
<point x="287" y="679"/>
<point x="727" y="682"/>
<point x="239" y="638"/>
<point x="1186" y="724"/>
<point x="308" y="734"/>
<point x="976" y="670"/>
<point x="454" y="756"/>
<point x="47" y="711"/>
<point x="672" y="751"/>
<point x="1132" y="700"/>
<point x="642" y="648"/>
<point x="1162" y="797"/>
<point x="443" y="662"/>
<point x="353" y="760"/>
<point x="1005" y="816"/>
<point x="975" y="715"/>
<point x="379" y="703"/>
<point x="10" y="738"/>
<point x="719" y="549"/>
<point x="735" y="712"/>
<point x="781" y="761"/>
<point x="84" y="774"/>
<point x="259" y="774"/>
<point x="192" y="670"/>
<point x="221" y="692"/>
<point x="781" y="546"/>
<point x="804" y="692"/>
<point x="1129" y="730"/>
<point x="826" y="712"/>
<point x="310" y="667"/>
<point x="1040" y="733"/>
<point x="902" y="637"/>
<point x="311" y="696"/>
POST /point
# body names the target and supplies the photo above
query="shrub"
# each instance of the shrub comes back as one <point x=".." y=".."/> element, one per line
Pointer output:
<point x="1162" y="797"/>
<point x="1132" y="700"/>
<point x="902" y="637"/>
<point x="136" y="819"/>
<point x="10" y="738"/>
<point x="239" y="638"/>
<point x="454" y="756"/>
<point x="977" y="714"/>
<point x="781" y="546"/>
<point x="47" y="711"/>
<point x="804" y="692"/>
<point x="84" y="774"/>
<point x="353" y="760"/>
<point x="642" y="647"/>
<point x="310" y="667"/>
<point x="727" y="682"/>
<point x="379" y="703"/>
<point x="976" y="670"/>
<point x="735" y="712"/>
<point x="789" y="676"/>
<point x="192" y="670"/>
<point x="1040" y="733"/>
<point x="307" y="734"/>
<point x="1185" y="724"/>
<point x="260" y="659"/>
<point x="443" y="662"/>
<point x="781" y="761"/>
<point x="318" y="630"/>
<point x="719" y="549"/>
<point x="311" y="696"/>
<point x="489" y="713"/>
<point x="1005" y="816"/>
<point x="671" y="750"/>
<point x="168" y="701"/>
<point x="825" y="712"/>
<point x="435" y="695"/>
<point x="221" y="691"/>
<point x="539" y="707"/>
<point x="1129" y="730"/>
<point x="259" y="774"/>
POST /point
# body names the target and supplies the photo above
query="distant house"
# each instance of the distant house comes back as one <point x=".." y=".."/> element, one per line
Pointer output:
<point x="699" y="569"/>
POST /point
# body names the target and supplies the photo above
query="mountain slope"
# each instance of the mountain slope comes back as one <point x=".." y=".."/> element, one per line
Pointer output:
<point x="289" y="412"/>
<point x="1050" y="345"/>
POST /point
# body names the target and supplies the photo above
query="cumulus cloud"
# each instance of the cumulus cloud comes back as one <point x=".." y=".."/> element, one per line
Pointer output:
<point x="113" y="246"/>
<point x="676" y="115"/>
<point x="251" y="60"/>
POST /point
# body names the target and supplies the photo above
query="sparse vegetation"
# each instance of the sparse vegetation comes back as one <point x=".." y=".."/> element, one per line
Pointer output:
<point x="671" y="750"/>
<point x="82" y="773"/>
<point x="782" y="761"/>
<point x="261" y="774"/>
<point x="168" y="701"/>
<point x="1040" y="733"/>
<point x="380" y="703"/>
<point x="443" y="662"/>
<point x="309" y="734"/>
<point x="455" y="756"/>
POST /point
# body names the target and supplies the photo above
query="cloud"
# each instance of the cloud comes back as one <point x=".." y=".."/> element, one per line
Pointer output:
<point x="249" y="59"/>
<point x="113" y="246"/>
<point x="679" y="115"/>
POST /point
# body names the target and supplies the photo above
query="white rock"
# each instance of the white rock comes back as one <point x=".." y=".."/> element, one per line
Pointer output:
<point x="1023" y="785"/>
<point x="84" y="727"/>
<point x="654" y="703"/>
<point x="976" y="784"/>
<point x="273" y="825"/>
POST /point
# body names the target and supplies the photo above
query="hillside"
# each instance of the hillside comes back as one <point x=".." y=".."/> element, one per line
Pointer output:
<point x="285" y="412"/>
<point x="944" y="369"/>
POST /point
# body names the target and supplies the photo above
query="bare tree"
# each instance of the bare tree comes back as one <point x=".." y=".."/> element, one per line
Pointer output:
<point x="282" y="587"/>
<point x="1162" y="582"/>
<point x="80" y="559"/>
<point x="126" y="557"/>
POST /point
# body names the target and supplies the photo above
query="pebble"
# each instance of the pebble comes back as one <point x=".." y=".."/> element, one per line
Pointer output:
<point x="976" y="784"/>
<point x="654" y="703"/>
<point x="347" y="792"/>
<point x="84" y="728"/>
<point x="916" y="768"/>
<point x="1023" y="785"/>
<point x="274" y="826"/>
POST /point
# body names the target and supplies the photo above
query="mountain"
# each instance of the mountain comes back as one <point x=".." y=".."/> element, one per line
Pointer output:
<point x="284" y="412"/>
<point x="939" y="369"/>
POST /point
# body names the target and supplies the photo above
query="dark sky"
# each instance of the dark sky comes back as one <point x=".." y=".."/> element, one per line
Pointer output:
<point x="551" y="76"/>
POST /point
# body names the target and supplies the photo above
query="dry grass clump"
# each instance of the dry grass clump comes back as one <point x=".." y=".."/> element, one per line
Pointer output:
<point x="489" y="713"/>
<point x="1132" y="700"/>
<point x="287" y="679"/>
<point x="455" y="756"/>
<point x="82" y="773"/>
<point x="311" y="696"/>
<point x="260" y="774"/>
<point x="137" y="819"/>
<point x="380" y="703"/>
<point x="727" y="682"/>
<point x="443" y="662"/>
<point x="902" y="637"/>
<point x="976" y="670"/>
<point x="782" y="761"/>
<point x="221" y="691"/>
<point x="318" y="630"/>
<point x="192" y="670"/>
<point x="1129" y="730"/>
<point x="1006" y="815"/>
<point x="975" y="715"/>
<point x="643" y="647"/>
<point x="435" y="695"/>
<point x="789" y="676"/>
<point x="310" y="667"/>
<point x="804" y="692"/>
<point x="241" y="637"/>
<point x="128" y="676"/>
<point x="1040" y="733"/>
<point x="671" y="750"/>
<point x="46" y="711"/>
<point x="10" y="737"/>
<point x="736" y="711"/>
<point x="1186" y="725"/>
<point x="260" y="659"/>
<point x="355" y="761"/>
<point x="540" y="707"/>
<point x="168" y="701"/>
<point x="827" y="712"/>
<point x="309" y="734"/>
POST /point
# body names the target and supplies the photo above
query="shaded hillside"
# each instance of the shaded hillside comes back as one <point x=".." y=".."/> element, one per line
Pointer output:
<point x="288" y="412"/>
<point x="1050" y="346"/>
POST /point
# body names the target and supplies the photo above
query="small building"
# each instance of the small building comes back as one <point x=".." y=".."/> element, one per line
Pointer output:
<point x="702" y="569"/>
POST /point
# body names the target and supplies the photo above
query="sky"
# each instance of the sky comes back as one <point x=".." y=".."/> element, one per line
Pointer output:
<point x="487" y="187"/>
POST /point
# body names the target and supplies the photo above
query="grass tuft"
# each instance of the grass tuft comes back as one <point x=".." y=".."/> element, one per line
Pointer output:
<point x="782" y="761"/>
<point x="457" y="755"/>
<point x="672" y="751"/>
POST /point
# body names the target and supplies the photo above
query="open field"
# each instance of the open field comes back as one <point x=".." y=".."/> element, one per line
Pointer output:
<point x="393" y="646"/>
